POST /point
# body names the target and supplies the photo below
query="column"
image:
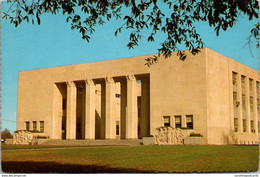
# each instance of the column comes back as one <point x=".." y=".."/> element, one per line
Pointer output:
<point x="103" y="111"/>
<point x="71" y="110"/>
<point x="255" y="108"/>
<point x="110" y="122"/>
<point x="145" y="108"/>
<point x="239" y="97"/>
<point x="89" y="109"/>
<point x="123" y="108"/>
<point x="131" y="111"/>
<point x="248" y="127"/>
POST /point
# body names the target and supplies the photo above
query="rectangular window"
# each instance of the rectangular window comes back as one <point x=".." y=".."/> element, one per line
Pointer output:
<point x="243" y="79"/>
<point x="258" y="127"/>
<point x="252" y="126"/>
<point x="64" y="102"/>
<point x="250" y="84"/>
<point x="166" y="120"/>
<point x="118" y="95"/>
<point x="251" y="102"/>
<point x="236" y="124"/>
<point x="244" y="125"/>
<point x="27" y="125"/>
<point x="42" y="126"/>
<point x="117" y="127"/>
<point x="234" y="78"/>
<point x="235" y="99"/>
<point x="189" y="121"/>
<point x="34" y="125"/>
<point x="244" y="101"/>
<point x="177" y="121"/>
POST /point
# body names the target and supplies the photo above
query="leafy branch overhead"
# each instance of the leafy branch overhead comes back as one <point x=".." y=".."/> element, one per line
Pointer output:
<point x="175" y="18"/>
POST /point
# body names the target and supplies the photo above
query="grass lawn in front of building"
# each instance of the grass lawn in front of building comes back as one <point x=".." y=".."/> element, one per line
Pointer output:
<point x="136" y="159"/>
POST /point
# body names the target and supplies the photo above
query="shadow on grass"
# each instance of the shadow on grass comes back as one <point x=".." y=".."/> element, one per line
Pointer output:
<point x="53" y="167"/>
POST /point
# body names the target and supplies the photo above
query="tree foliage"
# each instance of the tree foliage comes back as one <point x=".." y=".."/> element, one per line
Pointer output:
<point x="175" y="18"/>
<point x="6" y="134"/>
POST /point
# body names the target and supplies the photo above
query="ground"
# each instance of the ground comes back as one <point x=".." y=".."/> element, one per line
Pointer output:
<point x="129" y="159"/>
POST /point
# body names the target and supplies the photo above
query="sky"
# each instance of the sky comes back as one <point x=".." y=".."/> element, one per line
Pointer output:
<point x="53" y="43"/>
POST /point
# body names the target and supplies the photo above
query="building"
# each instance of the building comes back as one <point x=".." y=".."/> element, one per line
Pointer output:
<point x="208" y="93"/>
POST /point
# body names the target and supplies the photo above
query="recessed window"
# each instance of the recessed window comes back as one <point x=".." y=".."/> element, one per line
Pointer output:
<point x="234" y="78"/>
<point x="252" y="126"/>
<point x="166" y="120"/>
<point x="177" y="121"/>
<point x="27" y="125"/>
<point x="244" y="101"/>
<point x="42" y="126"/>
<point x="251" y="84"/>
<point x="243" y="80"/>
<point x="244" y="125"/>
<point x="34" y="125"/>
<point x="118" y="95"/>
<point x="236" y="124"/>
<point x="117" y="127"/>
<point x="189" y="121"/>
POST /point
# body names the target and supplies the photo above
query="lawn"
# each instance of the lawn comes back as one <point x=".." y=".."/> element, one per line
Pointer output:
<point x="137" y="159"/>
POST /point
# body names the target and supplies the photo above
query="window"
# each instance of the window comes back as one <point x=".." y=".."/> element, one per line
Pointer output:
<point x="234" y="78"/>
<point x="251" y="102"/>
<point x="64" y="102"/>
<point x="27" y="125"/>
<point x="243" y="79"/>
<point x="236" y="124"/>
<point x="177" y="121"/>
<point x="244" y="125"/>
<point x="118" y="95"/>
<point x="189" y="120"/>
<point x="252" y="126"/>
<point x="166" y="120"/>
<point x="244" y="101"/>
<point x="251" y="84"/>
<point x="235" y="99"/>
<point x="34" y="125"/>
<point x="42" y="126"/>
<point x="117" y="127"/>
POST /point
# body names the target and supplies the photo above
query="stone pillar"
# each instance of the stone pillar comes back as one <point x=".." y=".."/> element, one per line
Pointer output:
<point x="103" y="111"/>
<point x="71" y="110"/>
<point x="110" y="121"/>
<point x="145" y="108"/>
<point x="248" y="128"/>
<point x="239" y="97"/>
<point x="123" y="109"/>
<point x="254" y="88"/>
<point x="90" y="109"/>
<point x="131" y="111"/>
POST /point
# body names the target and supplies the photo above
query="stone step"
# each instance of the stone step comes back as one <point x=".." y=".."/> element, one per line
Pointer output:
<point x="93" y="142"/>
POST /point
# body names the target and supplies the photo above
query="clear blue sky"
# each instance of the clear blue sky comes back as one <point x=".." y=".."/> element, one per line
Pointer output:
<point x="53" y="43"/>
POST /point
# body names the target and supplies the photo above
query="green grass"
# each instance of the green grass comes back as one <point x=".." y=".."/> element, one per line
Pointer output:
<point x="140" y="159"/>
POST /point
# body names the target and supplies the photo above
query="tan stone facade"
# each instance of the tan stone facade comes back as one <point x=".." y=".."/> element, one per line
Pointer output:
<point x="207" y="93"/>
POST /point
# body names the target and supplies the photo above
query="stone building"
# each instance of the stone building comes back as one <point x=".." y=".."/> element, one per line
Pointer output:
<point x="208" y="93"/>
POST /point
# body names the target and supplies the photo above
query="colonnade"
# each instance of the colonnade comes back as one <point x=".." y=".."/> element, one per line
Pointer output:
<point x="128" y="108"/>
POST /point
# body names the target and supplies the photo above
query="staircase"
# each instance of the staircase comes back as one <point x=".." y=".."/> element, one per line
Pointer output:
<point x="136" y="142"/>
